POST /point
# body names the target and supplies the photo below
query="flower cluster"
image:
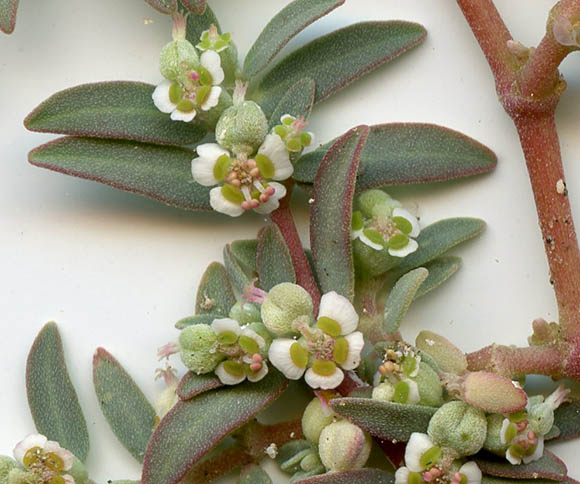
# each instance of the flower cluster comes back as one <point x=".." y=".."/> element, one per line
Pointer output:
<point x="41" y="461"/>
<point x="192" y="82"/>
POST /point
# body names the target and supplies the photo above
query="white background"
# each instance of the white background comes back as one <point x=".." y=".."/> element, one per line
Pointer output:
<point x="118" y="270"/>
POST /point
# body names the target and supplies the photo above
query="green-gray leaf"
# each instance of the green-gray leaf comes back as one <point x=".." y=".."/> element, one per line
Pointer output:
<point x="8" y="9"/>
<point x="245" y="252"/>
<point x="238" y="277"/>
<point x="401" y="297"/>
<point x="119" y="109"/>
<point x="192" y="385"/>
<point x="163" y="6"/>
<point x="215" y="295"/>
<point x="440" y="270"/>
<point x="298" y="101"/>
<point x="195" y="6"/>
<point x="547" y="467"/>
<point x="273" y="261"/>
<point x="404" y="153"/>
<point x="360" y="476"/>
<point x="197" y="24"/>
<point x="330" y="217"/>
<point x="53" y="401"/>
<point x="436" y="239"/>
<point x="159" y="172"/>
<point x="183" y="437"/>
<point x="385" y="420"/>
<point x="254" y="474"/>
<point x="284" y="25"/>
<point x="127" y="410"/>
<point x="567" y="419"/>
<point x="337" y="59"/>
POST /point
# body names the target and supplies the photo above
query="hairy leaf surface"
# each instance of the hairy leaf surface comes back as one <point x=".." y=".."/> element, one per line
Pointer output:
<point x="192" y="385"/>
<point x="440" y="270"/>
<point x="215" y="295"/>
<point x="360" y="476"/>
<point x="8" y="9"/>
<point x="401" y="297"/>
<point x="274" y="262"/>
<point x="547" y="467"/>
<point x="298" y="101"/>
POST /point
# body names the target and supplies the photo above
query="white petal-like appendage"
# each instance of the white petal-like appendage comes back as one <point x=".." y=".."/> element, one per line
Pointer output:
<point x="213" y="99"/>
<point x="227" y="378"/>
<point x="502" y="433"/>
<point x="274" y="148"/>
<point x="355" y="234"/>
<point x="211" y="60"/>
<point x="564" y="32"/>
<point x="66" y="456"/>
<point x="401" y="212"/>
<point x="538" y="453"/>
<point x="262" y="372"/>
<point x="181" y="116"/>
<point x="211" y="151"/>
<point x="226" y="324"/>
<point x="365" y="240"/>
<point x="355" y="345"/>
<point x="418" y="444"/>
<point x="411" y="247"/>
<point x="29" y="442"/>
<point x="472" y="472"/>
<point x="274" y="202"/>
<point x="202" y="167"/>
<point x="402" y="475"/>
<point x="339" y="308"/>
<point x="219" y="203"/>
<point x="513" y="459"/>
<point x="161" y="97"/>
<point x="315" y="380"/>
<point x="68" y="479"/>
<point x="414" y="396"/>
<point x="250" y="333"/>
<point x="279" y="356"/>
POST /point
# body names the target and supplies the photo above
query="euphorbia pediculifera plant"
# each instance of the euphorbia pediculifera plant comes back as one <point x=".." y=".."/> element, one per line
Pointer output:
<point x="403" y="368"/>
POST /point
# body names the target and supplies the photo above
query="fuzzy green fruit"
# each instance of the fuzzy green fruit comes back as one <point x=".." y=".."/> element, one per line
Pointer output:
<point x="198" y="345"/>
<point x="285" y="303"/>
<point x="242" y="128"/>
<point x="315" y="419"/>
<point x="343" y="446"/>
<point x="177" y="57"/>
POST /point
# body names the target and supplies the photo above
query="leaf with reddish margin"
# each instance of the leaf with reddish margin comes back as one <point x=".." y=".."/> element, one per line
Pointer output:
<point x="273" y="259"/>
<point x="547" y="467"/>
<point x="192" y="385"/>
<point x="194" y="427"/>
<point x="331" y="213"/>
<point x="385" y="420"/>
<point x="8" y="9"/>
<point x="337" y="59"/>
<point x="487" y="479"/>
<point x="567" y="419"/>
<point x="492" y="393"/>
<point x="126" y="409"/>
<point x="163" y="6"/>
<point x="401" y="297"/>
<point x="360" y="476"/>
<point x="197" y="24"/>
<point x="285" y="25"/>
<point x="116" y="110"/>
<point x="52" y="399"/>
<point x="159" y="172"/>
<point x="195" y="6"/>
<point x="298" y="101"/>
<point x="405" y="153"/>
<point x="215" y="294"/>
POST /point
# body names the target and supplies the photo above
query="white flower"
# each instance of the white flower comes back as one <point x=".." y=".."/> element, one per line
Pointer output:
<point x="168" y="397"/>
<point x="227" y="330"/>
<point x="230" y="373"/>
<point x="402" y="244"/>
<point x="289" y="356"/>
<point x="368" y="237"/>
<point x="417" y="449"/>
<point x="324" y="382"/>
<point x="515" y="456"/>
<point x="37" y="450"/>
<point x="341" y="313"/>
<point x="243" y="183"/>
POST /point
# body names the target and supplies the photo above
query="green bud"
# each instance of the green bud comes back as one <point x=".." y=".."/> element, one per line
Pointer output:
<point x="284" y="304"/>
<point x="315" y="419"/>
<point x="460" y="427"/>
<point x="376" y="203"/>
<point x="242" y="128"/>
<point x="245" y="312"/>
<point x="541" y="418"/>
<point x="384" y="392"/>
<point x="493" y="438"/>
<point x="198" y="348"/>
<point x="177" y="57"/>
<point x="370" y="262"/>
<point x="6" y="465"/>
<point x="343" y="446"/>
<point x="430" y="388"/>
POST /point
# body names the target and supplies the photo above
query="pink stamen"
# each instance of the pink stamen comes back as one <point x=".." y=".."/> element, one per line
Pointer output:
<point x="299" y="124"/>
<point x="256" y="366"/>
<point x="531" y="435"/>
<point x="235" y="182"/>
<point x="169" y="375"/>
<point x="254" y="294"/>
<point x="264" y="198"/>
<point x="194" y="76"/>
<point x="246" y="205"/>
<point x="252" y="163"/>
<point x="435" y="471"/>
<point x="255" y="172"/>
<point x="270" y="191"/>
<point x="167" y="350"/>
<point x="521" y="426"/>
<point x="257" y="357"/>
<point x="427" y="476"/>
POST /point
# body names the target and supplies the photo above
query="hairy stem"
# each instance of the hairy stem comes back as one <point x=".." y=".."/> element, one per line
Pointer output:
<point x="282" y="217"/>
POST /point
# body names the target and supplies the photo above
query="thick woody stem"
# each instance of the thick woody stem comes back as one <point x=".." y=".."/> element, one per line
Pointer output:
<point x="282" y="217"/>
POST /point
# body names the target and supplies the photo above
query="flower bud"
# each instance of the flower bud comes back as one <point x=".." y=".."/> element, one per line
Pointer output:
<point x="541" y="418"/>
<point x="343" y="446"/>
<point x="460" y="427"/>
<point x="371" y="262"/>
<point x="177" y="57"/>
<point x="242" y="128"/>
<point x="315" y="418"/>
<point x="198" y="348"/>
<point x="283" y="305"/>
<point x="376" y="203"/>
<point x="245" y="313"/>
<point x="384" y="392"/>
<point x="6" y="465"/>
<point x="430" y="388"/>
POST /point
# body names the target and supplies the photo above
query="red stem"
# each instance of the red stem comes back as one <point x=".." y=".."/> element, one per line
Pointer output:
<point x="282" y="217"/>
